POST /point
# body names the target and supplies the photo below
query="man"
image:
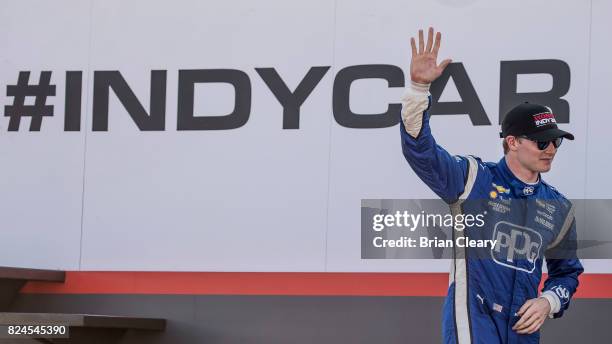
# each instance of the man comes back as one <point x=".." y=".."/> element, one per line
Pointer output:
<point x="493" y="297"/>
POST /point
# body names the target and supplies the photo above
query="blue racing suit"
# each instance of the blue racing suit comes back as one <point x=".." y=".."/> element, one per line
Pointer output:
<point x="487" y="287"/>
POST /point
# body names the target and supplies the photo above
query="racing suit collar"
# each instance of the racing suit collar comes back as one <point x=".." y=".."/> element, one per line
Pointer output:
<point x="518" y="187"/>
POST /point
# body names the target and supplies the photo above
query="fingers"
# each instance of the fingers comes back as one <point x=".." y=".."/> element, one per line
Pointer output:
<point x="532" y="318"/>
<point x="524" y="307"/>
<point x="523" y="322"/>
<point x="533" y="327"/>
<point x="430" y="35"/>
<point x="525" y="312"/>
<point x="526" y="321"/>
<point x="421" y="43"/>
<point x="436" y="46"/>
<point x="432" y="47"/>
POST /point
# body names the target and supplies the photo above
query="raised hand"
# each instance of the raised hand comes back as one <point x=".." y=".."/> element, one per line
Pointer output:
<point x="423" y="67"/>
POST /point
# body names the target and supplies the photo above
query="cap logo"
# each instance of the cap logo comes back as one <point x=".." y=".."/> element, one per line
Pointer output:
<point x="544" y="118"/>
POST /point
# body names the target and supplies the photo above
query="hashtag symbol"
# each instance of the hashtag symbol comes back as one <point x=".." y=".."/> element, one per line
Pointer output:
<point x="40" y="93"/>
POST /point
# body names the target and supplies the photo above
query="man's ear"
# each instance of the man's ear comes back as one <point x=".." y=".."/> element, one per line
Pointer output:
<point x="512" y="142"/>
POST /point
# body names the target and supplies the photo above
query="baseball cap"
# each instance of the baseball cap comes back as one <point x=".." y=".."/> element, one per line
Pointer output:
<point x="535" y="121"/>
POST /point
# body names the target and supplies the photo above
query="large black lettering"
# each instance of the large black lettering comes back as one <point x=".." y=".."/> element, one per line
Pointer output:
<point x="105" y="80"/>
<point x="509" y="98"/>
<point x="291" y="101"/>
<point x="72" y="111"/>
<point x="470" y="103"/>
<point x="186" y="120"/>
<point x="341" y="96"/>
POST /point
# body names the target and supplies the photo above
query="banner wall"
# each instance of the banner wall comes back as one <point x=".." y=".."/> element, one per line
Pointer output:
<point x="242" y="136"/>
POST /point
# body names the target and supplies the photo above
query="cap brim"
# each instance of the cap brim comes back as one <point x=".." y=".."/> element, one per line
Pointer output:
<point x="550" y="134"/>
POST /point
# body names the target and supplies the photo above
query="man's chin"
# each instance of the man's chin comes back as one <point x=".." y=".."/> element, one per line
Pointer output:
<point x="545" y="167"/>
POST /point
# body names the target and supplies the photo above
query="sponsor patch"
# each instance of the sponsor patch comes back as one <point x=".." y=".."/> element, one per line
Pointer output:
<point x="544" y="118"/>
<point x="500" y="189"/>
<point x="498" y="308"/>
<point x="498" y="207"/>
<point x="544" y="215"/>
<point x="544" y="223"/>
<point x="562" y="293"/>
<point x="480" y="298"/>
<point x="516" y="247"/>
<point x="549" y="207"/>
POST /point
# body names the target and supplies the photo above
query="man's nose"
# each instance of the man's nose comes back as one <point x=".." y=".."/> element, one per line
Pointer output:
<point x="551" y="148"/>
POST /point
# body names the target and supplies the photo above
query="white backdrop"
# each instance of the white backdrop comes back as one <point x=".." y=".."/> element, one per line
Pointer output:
<point x="259" y="197"/>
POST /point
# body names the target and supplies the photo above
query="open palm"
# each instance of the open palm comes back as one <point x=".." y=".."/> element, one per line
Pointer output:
<point x="423" y="67"/>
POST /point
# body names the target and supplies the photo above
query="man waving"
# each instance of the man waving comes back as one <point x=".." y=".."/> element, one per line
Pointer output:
<point x="492" y="296"/>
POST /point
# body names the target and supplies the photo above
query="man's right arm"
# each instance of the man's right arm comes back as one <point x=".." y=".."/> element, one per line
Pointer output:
<point x="446" y="175"/>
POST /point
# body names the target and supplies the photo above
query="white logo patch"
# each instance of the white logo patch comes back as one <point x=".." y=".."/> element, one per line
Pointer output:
<point x="562" y="293"/>
<point x="516" y="243"/>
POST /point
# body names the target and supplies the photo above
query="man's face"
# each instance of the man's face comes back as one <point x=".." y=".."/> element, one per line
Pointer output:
<point x="534" y="159"/>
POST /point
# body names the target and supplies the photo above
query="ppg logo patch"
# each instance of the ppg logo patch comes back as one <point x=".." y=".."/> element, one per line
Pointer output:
<point x="562" y="293"/>
<point x="516" y="247"/>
